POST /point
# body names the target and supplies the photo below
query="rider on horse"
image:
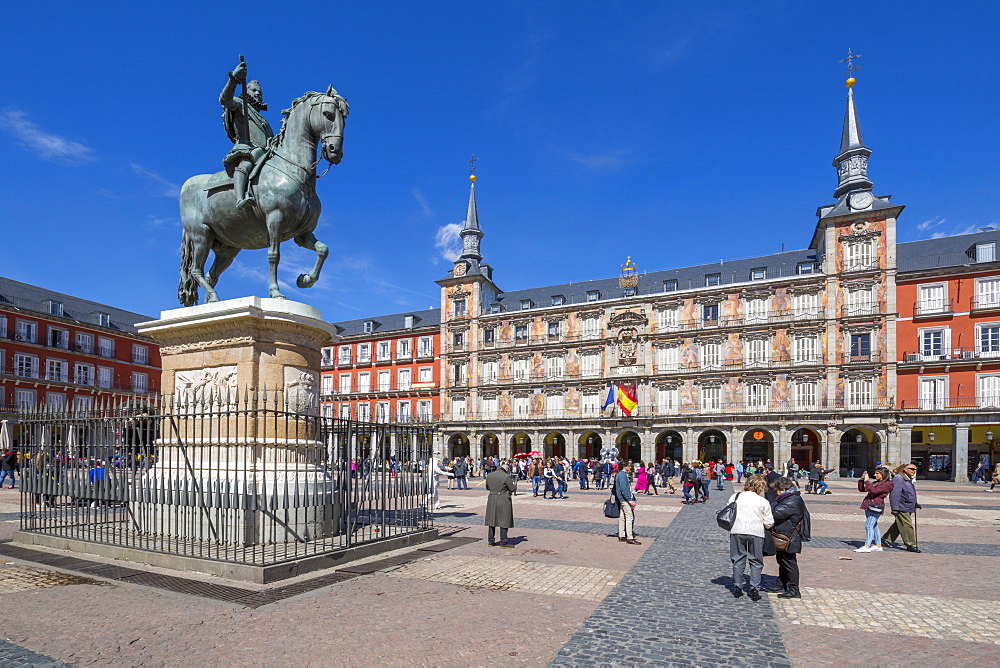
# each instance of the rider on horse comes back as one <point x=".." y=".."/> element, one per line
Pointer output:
<point x="246" y="128"/>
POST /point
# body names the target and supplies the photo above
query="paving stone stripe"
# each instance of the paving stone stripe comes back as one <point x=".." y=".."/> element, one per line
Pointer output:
<point x="15" y="656"/>
<point x="968" y="620"/>
<point x="513" y="575"/>
<point x="955" y="549"/>
<point x="929" y="521"/>
<point x="553" y="525"/>
<point x="640" y="621"/>
<point x="14" y="577"/>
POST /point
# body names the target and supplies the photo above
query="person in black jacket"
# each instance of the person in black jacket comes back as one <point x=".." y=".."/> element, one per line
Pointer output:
<point x="790" y="519"/>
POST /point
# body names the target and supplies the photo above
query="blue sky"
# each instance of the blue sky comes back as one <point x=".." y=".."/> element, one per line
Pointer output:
<point x="677" y="133"/>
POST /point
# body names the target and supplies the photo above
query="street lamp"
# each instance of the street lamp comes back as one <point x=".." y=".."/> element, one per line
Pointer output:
<point x="931" y="436"/>
<point x="989" y="436"/>
<point x="859" y="438"/>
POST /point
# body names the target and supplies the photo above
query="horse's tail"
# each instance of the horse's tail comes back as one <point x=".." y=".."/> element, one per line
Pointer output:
<point x="187" y="289"/>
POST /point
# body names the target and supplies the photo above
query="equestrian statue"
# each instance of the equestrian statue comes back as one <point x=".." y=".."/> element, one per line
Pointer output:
<point x="267" y="192"/>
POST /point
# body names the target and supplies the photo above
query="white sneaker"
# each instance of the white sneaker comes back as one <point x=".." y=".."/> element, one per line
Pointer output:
<point x="876" y="548"/>
<point x="863" y="548"/>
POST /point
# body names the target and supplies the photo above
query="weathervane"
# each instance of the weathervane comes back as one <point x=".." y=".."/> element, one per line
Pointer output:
<point x="851" y="67"/>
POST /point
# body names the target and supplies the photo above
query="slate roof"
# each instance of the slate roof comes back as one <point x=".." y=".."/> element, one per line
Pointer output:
<point x="32" y="298"/>
<point x="954" y="251"/>
<point x="389" y="323"/>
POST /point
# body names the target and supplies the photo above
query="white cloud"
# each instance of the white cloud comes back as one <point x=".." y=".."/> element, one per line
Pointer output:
<point x="45" y="144"/>
<point x="606" y="161"/>
<point x="448" y="241"/>
<point x="157" y="221"/>
<point x="933" y="222"/>
<point x="164" y="188"/>
<point x="422" y="201"/>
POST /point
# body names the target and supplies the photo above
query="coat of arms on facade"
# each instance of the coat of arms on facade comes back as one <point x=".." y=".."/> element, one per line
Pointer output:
<point x="627" y="337"/>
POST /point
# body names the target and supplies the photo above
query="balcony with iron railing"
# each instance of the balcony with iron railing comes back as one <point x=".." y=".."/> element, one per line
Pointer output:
<point x="989" y="402"/>
<point x="934" y="308"/>
<point x="863" y="310"/>
<point x="987" y="302"/>
<point x="761" y="408"/>
<point x="950" y="355"/>
<point x="859" y="357"/>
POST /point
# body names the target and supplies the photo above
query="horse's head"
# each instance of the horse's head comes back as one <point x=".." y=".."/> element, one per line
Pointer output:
<point x="329" y="127"/>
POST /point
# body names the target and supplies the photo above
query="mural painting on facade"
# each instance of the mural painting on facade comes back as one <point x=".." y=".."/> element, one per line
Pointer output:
<point x="572" y="405"/>
<point x="824" y="392"/>
<point x="880" y="241"/>
<point x="537" y="404"/>
<point x="688" y="396"/>
<point x="504" y="367"/>
<point x="573" y="326"/>
<point x="734" y="350"/>
<point x="781" y="304"/>
<point x="781" y="391"/>
<point x="823" y="301"/>
<point x="732" y="394"/>
<point x="880" y="298"/>
<point x="838" y="303"/>
<point x="839" y="391"/>
<point x="781" y="346"/>
<point x="732" y="308"/>
<point x="689" y="354"/>
<point x="537" y="330"/>
<point x="537" y="366"/>
<point x="839" y="348"/>
<point x="572" y="363"/>
<point x="688" y="310"/>
<point x="504" y="406"/>
<point x="881" y="388"/>
<point x="823" y="348"/>
<point x="505" y="332"/>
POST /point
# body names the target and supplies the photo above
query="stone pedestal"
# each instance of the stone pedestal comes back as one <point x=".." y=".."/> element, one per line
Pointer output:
<point x="241" y="446"/>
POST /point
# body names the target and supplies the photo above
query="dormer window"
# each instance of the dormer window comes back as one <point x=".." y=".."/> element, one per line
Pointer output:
<point x="712" y="279"/>
<point x="986" y="252"/>
<point x="525" y="304"/>
<point x="593" y="295"/>
<point x="104" y="319"/>
<point x="670" y="286"/>
<point x="558" y="300"/>
<point x="408" y="321"/>
<point x="758" y="274"/>
<point x="803" y="268"/>
<point x="55" y="308"/>
<point x="630" y="292"/>
<point x="494" y="308"/>
<point x="369" y="326"/>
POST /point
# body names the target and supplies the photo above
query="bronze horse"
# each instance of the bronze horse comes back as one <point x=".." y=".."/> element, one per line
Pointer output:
<point x="287" y="205"/>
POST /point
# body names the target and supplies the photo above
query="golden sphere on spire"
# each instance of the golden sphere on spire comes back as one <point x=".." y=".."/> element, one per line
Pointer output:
<point x="472" y="177"/>
<point x="849" y="82"/>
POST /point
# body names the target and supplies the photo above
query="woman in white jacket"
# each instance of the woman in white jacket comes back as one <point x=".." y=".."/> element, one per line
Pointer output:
<point x="746" y="538"/>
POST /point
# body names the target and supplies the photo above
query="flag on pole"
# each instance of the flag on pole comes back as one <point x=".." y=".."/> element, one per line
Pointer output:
<point x="612" y="395"/>
<point x="627" y="398"/>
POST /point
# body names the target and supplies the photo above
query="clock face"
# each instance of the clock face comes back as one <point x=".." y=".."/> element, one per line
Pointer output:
<point x="861" y="200"/>
<point x="460" y="269"/>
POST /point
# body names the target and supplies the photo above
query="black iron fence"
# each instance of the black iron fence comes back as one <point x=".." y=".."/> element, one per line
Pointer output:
<point x="241" y="480"/>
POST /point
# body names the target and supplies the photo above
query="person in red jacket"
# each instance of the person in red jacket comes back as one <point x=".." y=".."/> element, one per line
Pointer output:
<point x="874" y="506"/>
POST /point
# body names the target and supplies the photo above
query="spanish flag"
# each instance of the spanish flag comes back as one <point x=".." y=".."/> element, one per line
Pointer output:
<point x="627" y="398"/>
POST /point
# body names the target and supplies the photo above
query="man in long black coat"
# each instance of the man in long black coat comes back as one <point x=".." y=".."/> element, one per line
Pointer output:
<point x="499" y="507"/>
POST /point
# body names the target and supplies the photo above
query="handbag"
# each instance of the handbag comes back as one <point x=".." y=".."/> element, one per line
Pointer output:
<point x="876" y="508"/>
<point x="726" y="517"/>
<point x="612" y="509"/>
<point x="781" y="541"/>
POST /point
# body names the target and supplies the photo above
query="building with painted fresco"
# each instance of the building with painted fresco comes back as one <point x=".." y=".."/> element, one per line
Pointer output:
<point x="64" y="352"/>
<point x="790" y="355"/>
<point x="384" y="369"/>
<point x="948" y="352"/>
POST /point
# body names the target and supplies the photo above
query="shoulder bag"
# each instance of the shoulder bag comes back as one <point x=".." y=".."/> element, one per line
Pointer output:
<point x="781" y="541"/>
<point x="726" y="517"/>
<point x="611" y="507"/>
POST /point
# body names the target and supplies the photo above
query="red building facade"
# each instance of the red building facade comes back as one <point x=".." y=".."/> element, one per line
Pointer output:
<point x="67" y="353"/>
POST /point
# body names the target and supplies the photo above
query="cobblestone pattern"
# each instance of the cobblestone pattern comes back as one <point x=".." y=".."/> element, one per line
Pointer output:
<point x="10" y="517"/>
<point x="683" y="614"/>
<point x="962" y="619"/>
<point x="553" y="525"/>
<point x="984" y="521"/>
<point x="955" y="549"/>
<point x="15" y="656"/>
<point x="24" y="578"/>
<point x="512" y="575"/>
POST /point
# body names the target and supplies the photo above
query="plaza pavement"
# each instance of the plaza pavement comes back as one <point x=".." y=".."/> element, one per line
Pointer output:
<point x="567" y="594"/>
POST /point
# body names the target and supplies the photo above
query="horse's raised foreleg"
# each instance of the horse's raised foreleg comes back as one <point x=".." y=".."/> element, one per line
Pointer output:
<point x="224" y="256"/>
<point x="274" y="221"/>
<point x="309" y="241"/>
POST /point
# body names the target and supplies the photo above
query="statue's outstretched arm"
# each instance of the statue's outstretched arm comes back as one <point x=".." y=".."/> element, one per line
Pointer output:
<point x="227" y="97"/>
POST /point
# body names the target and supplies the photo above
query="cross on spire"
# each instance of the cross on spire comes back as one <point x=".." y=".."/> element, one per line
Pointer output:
<point x="851" y="57"/>
<point x="472" y="163"/>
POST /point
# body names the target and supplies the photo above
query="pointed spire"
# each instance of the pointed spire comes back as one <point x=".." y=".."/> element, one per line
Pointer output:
<point x="471" y="234"/>
<point x="852" y="161"/>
